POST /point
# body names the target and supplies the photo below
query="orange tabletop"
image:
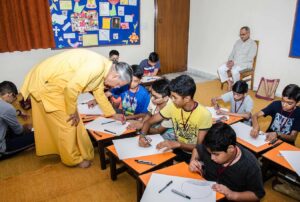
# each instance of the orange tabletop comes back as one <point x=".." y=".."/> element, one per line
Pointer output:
<point x="179" y="170"/>
<point x="231" y="120"/>
<point x="103" y="136"/>
<point x="259" y="149"/>
<point x="157" y="159"/>
<point x="88" y="118"/>
<point x="274" y="155"/>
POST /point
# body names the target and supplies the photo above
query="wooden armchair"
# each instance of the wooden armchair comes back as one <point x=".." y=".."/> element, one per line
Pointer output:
<point x="247" y="74"/>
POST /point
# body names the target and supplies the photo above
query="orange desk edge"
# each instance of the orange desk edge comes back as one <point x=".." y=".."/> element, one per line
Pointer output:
<point x="180" y="170"/>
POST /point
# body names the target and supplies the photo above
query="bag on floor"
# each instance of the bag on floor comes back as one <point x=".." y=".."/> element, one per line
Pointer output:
<point x="267" y="88"/>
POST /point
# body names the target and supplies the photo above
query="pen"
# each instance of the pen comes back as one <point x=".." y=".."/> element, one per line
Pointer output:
<point x="123" y="117"/>
<point x="108" y="122"/>
<point x="180" y="194"/>
<point x="168" y="184"/>
<point x="145" y="162"/>
<point x="147" y="140"/>
<point x="110" y="131"/>
<point x="273" y="141"/>
<point x="275" y="145"/>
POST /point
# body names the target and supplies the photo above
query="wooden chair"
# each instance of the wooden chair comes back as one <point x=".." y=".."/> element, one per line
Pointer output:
<point x="247" y="74"/>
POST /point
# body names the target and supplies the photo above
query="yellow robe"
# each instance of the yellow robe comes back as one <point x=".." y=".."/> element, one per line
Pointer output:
<point x="54" y="85"/>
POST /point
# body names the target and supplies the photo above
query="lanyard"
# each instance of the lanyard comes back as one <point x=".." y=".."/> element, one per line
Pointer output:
<point x="186" y="122"/>
<point x="131" y="99"/>
<point x="221" y="170"/>
<point x="282" y="125"/>
<point x="236" y="111"/>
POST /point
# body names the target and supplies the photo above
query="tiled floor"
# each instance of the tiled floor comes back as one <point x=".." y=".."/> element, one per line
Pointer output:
<point x="197" y="79"/>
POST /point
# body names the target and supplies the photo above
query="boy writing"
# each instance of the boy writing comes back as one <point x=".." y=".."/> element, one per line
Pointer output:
<point x="151" y="65"/>
<point x="13" y="135"/>
<point x="241" y="104"/>
<point x="285" y="115"/>
<point x="190" y="119"/>
<point x="234" y="168"/>
<point x="134" y="97"/>
<point x="160" y="93"/>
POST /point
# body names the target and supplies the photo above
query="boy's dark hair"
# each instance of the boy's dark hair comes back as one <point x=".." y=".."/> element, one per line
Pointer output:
<point x="153" y="57"/>
<point x="183" y="85"/>
<point x="292" y="91"/>
<point x="161" y="86"/>
<point x="240" y="87"/>
<point x="8" y="87"/>
<point x="137" y="71"/>
<point x="113" y="52"/>
<point x="219" y="137"/>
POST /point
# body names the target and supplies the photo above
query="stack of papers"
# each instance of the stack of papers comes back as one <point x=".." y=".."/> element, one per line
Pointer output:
<point x="146" y="79"/>
<point x="105" y="125"/>
<point x="129" y="147"/>
<point x="214" y="113"/>
<point x="243" y="132"/>
<point x="293" y="158"/>
<point x="189" y="189"/>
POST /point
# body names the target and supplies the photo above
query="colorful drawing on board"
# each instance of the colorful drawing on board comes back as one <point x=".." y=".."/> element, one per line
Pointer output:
<point x="113" y="11"/>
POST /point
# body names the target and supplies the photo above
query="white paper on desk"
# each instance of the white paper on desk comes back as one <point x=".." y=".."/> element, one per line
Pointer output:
<point x="146" y="79"/>
<point x="214" y="113"/>
<point x="129" y="147"/>
<point x="115" y="127"/>
<point x="243" y="131"/>
<point x="293" y="158"/>
<point x="84" y="109"/>
<point x="84" y="98"/>
<point x="198" y="190"/>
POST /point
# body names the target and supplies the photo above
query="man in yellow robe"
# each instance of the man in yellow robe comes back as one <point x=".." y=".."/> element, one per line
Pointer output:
<point x="54" y="85"/>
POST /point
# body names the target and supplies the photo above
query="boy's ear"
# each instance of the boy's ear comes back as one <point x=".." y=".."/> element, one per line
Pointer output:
<point x="230" y="148"/>
<point x="187" y="98"/>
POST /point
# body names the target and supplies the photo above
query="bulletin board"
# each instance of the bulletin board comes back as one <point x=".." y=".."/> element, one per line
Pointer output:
<point x="86" y="23"/>
<point x="295" y="44"/>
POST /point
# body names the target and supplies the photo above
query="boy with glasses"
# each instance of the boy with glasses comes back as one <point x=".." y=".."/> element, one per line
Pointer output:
<point x="13" y="135"/>
<point x="285" y="115"/>
<point x="160" y="93"/>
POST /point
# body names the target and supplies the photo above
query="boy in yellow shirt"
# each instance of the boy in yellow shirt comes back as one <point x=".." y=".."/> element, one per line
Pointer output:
<point x="190" y="119"/>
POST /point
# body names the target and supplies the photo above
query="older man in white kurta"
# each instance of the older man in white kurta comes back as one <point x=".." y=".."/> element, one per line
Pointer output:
<point x="241" y="57"/>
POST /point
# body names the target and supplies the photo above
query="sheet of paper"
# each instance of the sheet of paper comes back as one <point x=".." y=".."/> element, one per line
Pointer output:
<point x="197" y="190"/>
<point x="146" y="79"/>
<point x="128" y="18"/>
<point x="90" y="39"/>
<point x="129" y="147"/>
<point x="65" y="5"/>
<point x="105" y="23"/>
<point x="84" y="109"/>
<point x="293" y="157"/>
<point x="132" y="2"/>
<point x="214" y="113"/>
<point x="84" y="98"/>
<point x="121" y="11"/>
<point x="104" y="8"/>
<point x="243" y="131"/>
<point x="113" y="128"/>
<point x="104" y="35"/>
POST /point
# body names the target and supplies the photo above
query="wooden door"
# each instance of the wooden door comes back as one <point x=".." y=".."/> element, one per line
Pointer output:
<point x="171" y="34"/>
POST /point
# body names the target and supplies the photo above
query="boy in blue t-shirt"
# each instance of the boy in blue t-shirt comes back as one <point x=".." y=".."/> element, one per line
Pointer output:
<point x="135" y="98"/>
<point x="151" y="65"/>
<point x="285" y="115"/>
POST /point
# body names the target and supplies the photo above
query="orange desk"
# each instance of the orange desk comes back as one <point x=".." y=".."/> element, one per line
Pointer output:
<point x="179" y="170"/>
<point x="135" y="168"/>
<point x="258" y="150"/>
<point x="105" y="139"/>
<point x="231" y="120"/>
<point x="274" y="155"/>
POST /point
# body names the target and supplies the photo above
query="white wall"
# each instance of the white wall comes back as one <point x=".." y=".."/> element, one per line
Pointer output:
<point x="14" y="66"/>
<point x="214" y="28"/>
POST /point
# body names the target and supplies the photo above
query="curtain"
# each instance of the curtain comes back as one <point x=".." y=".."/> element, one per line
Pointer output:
<point x="25" y="25"/>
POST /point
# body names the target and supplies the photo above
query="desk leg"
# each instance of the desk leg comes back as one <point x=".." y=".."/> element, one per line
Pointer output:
<point x="113" y="167"/>
<point x="139" y="189"/>
<point x="102" y="155"/>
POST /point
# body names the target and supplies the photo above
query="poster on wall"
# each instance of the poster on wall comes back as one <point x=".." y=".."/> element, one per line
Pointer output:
<point x="85" y="23"/>
<point x="295" y="44"/>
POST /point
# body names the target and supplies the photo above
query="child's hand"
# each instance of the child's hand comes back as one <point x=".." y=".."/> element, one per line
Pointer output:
<point x="135" y="124"/>
<point x="254" y="132"/>
<point x="196" y="166"/>
<point x="221" y="112"/>
<point x="143" y="142"/>
<point x="271" y="136"/>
